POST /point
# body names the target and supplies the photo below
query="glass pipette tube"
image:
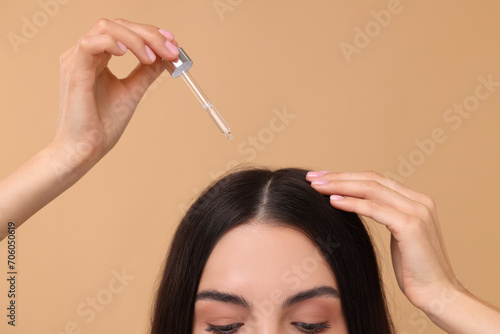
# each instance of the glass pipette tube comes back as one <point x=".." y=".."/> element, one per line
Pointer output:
<point x="207" y="105"/>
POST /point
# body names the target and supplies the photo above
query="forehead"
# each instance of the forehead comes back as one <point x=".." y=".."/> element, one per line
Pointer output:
<point x="256" y="260"/>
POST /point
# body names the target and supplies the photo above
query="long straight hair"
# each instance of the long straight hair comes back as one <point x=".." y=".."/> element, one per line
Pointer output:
<point x="282" y="195"/>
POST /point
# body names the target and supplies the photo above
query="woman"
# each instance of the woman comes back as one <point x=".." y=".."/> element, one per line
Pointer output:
<point x="260" y="251"/>
<point x="248" y="246"/>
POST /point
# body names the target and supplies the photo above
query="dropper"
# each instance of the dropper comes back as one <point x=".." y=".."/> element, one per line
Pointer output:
<point x="180" y="68"/>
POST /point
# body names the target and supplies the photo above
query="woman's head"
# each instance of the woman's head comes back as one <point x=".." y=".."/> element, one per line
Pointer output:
<point x="264" y="249"/>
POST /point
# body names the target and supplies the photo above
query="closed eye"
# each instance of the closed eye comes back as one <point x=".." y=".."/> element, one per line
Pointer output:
<point x="226" y="329"/>
<point x="307" y="328"/>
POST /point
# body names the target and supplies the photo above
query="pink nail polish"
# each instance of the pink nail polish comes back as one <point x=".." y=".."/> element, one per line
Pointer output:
<point x="122" y="46"/>
<point x="319" y="181"/>
<point x="150" y="53"/>
<point x="172" y="48"/>
<point x="336" y="197"/>
<point x="168" y="35"/>
<point x="316" y="174"/>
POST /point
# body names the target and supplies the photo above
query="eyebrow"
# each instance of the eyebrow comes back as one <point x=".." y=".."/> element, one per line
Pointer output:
<point x="218" y="296"/>
<point x="320" y="291"/>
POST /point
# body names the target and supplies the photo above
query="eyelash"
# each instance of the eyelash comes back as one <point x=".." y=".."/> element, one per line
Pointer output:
<point x="227" y="329"/>
<point x="306" y="328"/>
<point x="303" y="327"/>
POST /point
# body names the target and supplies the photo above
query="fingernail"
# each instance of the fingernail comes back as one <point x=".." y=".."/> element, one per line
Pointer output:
<point x="316" y="174"/>
<point x="168" y="35"/>
<point x="172" y="48"/>
<point x="319" y="181"/>
<point x="150" y="53"/>
<point x="122" y="46"/>
<point x="336" y="197"/>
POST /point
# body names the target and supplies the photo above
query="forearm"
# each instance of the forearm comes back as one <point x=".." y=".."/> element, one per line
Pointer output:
<point x="459" y="312"/>
<point x="33" y="185"/>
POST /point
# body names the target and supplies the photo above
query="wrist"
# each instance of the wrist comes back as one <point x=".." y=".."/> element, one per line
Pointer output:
<point x="457" y="311"/>
<point x="38" y="181"/>
<point x="442" y="301"/>
<point x="66" y="161"/>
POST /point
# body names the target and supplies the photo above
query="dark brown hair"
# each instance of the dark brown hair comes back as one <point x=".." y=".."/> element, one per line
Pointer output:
<point x="282" y="195"/>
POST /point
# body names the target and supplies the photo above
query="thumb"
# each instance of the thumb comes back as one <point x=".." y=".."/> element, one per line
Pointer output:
<point x="142" y="76"/>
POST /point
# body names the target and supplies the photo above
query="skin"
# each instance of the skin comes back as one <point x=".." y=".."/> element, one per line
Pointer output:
<point x="94" y="111"/>
<point x="266" y="265"/>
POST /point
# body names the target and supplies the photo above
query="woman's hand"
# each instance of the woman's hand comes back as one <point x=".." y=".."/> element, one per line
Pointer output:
<point x="96" y="106"/>
<point x="419" y="257"/>
<point x="418" y="254"/>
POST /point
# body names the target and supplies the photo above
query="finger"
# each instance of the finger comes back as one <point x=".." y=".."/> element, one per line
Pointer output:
<point x="133" y="41"/>
<point x="143" y="76"/>
<point x="88" y="48"/>
<point x="389" y="183"/>
<point x="150" y="33"/>
<point x="145" y="41"/>
<point x="394" y="220"/>
<point x="374" y="191"/>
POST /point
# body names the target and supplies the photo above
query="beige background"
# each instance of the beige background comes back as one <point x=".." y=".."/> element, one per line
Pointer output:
<point x="259" y="56"/>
